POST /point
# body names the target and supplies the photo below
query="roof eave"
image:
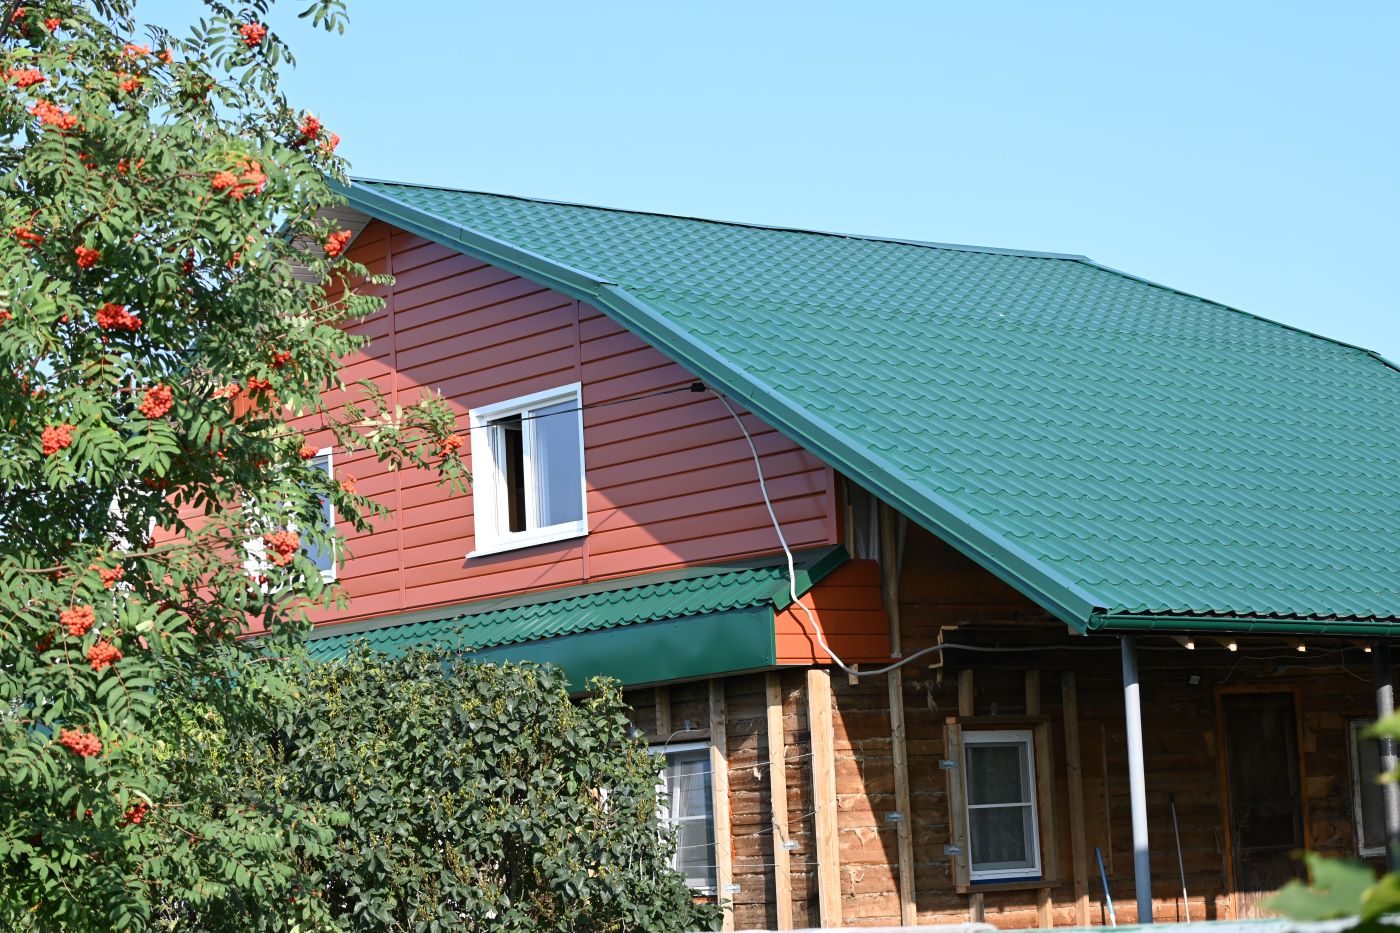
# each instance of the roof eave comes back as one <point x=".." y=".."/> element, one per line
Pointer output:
<point x="1166" y="623"/>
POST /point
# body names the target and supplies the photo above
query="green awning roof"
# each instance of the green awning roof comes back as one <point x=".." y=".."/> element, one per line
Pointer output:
<point x="656" y="627"/>
<point x="1108" y="446"/>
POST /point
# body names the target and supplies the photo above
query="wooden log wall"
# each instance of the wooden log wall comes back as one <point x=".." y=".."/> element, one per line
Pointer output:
<point x="1087" y="792"/>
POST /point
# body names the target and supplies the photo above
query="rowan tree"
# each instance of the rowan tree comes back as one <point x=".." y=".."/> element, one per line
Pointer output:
<point x="170" y="291"/>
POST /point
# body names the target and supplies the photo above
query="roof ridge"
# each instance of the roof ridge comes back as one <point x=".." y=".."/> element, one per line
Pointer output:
<point x="874" y="238"/>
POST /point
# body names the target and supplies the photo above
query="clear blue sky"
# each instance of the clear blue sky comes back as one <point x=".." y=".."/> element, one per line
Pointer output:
<point x="1246" y="152"/>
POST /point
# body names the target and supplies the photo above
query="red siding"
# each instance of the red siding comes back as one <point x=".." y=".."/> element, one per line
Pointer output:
<point x="670" y="479"/>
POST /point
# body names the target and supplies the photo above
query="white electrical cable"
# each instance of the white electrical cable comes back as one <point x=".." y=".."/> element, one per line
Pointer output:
<point x="792" y="568"/>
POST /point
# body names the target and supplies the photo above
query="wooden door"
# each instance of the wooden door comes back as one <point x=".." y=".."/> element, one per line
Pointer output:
<point x="1263" y="786"/>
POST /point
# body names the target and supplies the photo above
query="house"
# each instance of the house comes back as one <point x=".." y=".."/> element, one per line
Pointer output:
<point x="1140" y="551"/>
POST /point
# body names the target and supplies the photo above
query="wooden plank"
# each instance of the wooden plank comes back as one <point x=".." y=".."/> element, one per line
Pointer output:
<point x="957" y="806"/>
<point x="1033" y="692"/>
<point x="965" y="702"/>
<point x="777" y="793"/>
<point x="1074" y="772"/>
<point x="663" y="712"/>
<point x="904" y="830"/>
<point x="1044" y="909"/>
<point x="976" y="908"/>
<point x="824" y="796"/>
<point x="1045" y="801"/>
<point x="889" y="580"/>
<point x="719" y="791"/>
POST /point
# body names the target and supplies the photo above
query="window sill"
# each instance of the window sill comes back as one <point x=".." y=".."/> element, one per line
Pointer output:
<point x="530" y="539"/>
<point x="1021" y="884"/>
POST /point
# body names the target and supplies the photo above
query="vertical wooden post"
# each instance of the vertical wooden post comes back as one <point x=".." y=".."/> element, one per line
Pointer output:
<point x="824" y="795"/>
<point x="663" y="713"/>
<point x="1074" y="772"/>
<point x="976" y="907"/>
<point x="1045" y="773"/>
<point x="904" y="829"/>
<point x="777" y="792"/>
<point x="719" y="793"/>
<point x="889" y="575"/>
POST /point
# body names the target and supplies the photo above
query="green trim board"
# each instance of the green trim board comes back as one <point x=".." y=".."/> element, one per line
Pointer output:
<point x="646" y="629"/>
<point x="1108" y="446"/>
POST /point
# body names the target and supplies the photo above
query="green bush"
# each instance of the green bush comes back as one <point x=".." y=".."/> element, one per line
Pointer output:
<point x="479" y="796"/>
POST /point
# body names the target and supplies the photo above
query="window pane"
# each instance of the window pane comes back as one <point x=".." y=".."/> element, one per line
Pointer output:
<point x="1368" y="756"/>
<point x="688" y="810"/>
<point x="320" y="556"/>
<point x="994" y="773"/>
<point x="1000" y="838"/>
<point x="508" y="449"/>
<point x="558" y="463"/>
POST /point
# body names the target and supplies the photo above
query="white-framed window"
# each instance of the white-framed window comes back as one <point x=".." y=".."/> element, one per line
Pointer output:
<point x="1368" y="807"/>
<point x="527" y="471"/>
<point x="688" y="808"/>
<point x="1003" y="829"/>
<point x="323" y="558"/>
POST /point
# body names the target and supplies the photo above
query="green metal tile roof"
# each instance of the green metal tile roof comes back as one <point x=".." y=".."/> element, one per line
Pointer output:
<point x="1111" y="447"/>
<point x="554" y="614"/>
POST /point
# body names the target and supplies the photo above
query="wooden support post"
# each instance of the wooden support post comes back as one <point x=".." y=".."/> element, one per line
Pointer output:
<point x="904" y="829"/>
<point x="976" y="908"/>
<point x="824" y="796"/>
<point x="889" y="575"/>
<point x="663" y="712"/>
<point x="719" y="793"/>
<point x="965" y="704"/>
<point x="1045" y="770"/>
<point x="777" y="792"/>
<point x="1074" y="772"/>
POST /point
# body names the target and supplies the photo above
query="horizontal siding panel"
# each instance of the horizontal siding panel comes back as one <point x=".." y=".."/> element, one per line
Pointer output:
<point x="670" y="479"/>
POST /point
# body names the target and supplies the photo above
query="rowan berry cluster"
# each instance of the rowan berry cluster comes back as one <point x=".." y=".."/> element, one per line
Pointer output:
<point x="81" y="743"/>
<point x="52" y="23"/>
<point x="157" y="402"/>
<point x="55" y="438"/>
<point x="253" y="34"/>
<point x="258" y="385"/>
<point x="87" y="257"/>
<point x="53" y="115"/>
<point x="103" y="653"/>
<point x="5" y="316"/>
<point x="110" y="576"/>
<point x="28" y="237"/>
<point x="129" y="83"/>
<point x="307" y="452"/>
<point x="25" y="77"/>
<point x="336" y="243"/>
<point x="449" y="444"/>
<point x="232" y="390"/>
<point x="252" y="180"/>
<point x="116" y="317"/>
<point x="348" y="484"/>
<point x="77" y="620"/>
<point x="282" y="545"/>
<point x="281" y="358"/>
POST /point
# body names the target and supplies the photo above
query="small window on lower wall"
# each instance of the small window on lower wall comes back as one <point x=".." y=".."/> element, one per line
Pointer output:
<point x="1002" y="822"/>
<point x="1366" y="791"/>
<point x="689" y="809"/>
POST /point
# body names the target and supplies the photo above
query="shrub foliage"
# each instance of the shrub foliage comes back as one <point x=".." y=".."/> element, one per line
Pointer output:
<point x="479" y="797"/>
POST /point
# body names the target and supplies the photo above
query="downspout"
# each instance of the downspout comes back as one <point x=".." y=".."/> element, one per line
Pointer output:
<point x="1137" y="780"/>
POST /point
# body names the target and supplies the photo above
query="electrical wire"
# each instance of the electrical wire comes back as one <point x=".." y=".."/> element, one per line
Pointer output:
<point x="792" y="568"/>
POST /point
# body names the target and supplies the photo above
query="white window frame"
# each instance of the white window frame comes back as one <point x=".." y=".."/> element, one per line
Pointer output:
<point x="1026" y="738"/>
<point x="329" y="574"/>
<point x="672" y="749"/>
<point x="487" y="480"/>
<point x="1354" y="739"/>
